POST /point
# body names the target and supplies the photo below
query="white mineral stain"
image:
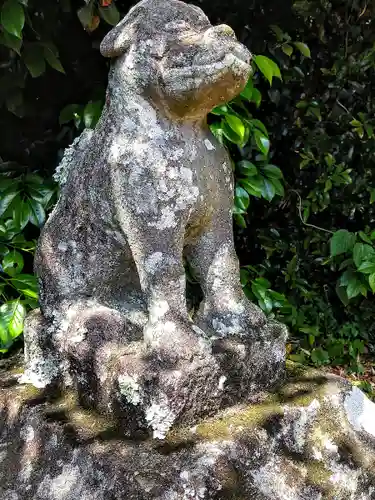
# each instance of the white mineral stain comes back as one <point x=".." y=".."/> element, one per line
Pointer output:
<point x="360" y="411"/>
<point x="209" y="145"/>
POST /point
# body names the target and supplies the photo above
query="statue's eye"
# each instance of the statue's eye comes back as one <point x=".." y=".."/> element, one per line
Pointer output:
<point x="175" y="26"/>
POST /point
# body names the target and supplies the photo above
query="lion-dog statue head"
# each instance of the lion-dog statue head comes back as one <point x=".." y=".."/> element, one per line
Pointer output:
<point x="170" y="51"/>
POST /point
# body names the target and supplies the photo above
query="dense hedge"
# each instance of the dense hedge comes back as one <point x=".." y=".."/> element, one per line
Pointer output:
<point x="301" y="138"/>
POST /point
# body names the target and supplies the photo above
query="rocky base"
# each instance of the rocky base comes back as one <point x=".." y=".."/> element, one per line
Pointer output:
<point x="100" y="354"/>
<point x="313" y="439"/>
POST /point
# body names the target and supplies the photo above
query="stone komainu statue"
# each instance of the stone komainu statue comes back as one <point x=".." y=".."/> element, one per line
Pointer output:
<point x="148" y="186"/>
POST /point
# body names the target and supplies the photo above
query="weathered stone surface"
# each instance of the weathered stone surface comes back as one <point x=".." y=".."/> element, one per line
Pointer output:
<point x="145" y="391"/>
<point x="313" y="439"/>
<point x="147" y="188"/>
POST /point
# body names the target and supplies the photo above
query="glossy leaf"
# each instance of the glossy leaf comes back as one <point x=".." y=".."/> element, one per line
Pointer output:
<point x="13" y="17"/>
<point x="253" y="185"/>
<point x="261" y="141"/>
<point x="7" y="198"/>
<point x="362" y="252"/>
<point x="367" y="267"/>
<point x="110" y="14"/>
<point x="242" y="198"/>
<point x="247" y="92"/>
<point x="91" y="113"/>
<point x="33" y="58"/>
<point x="246" y="168"/>
<point x="341" y="242"/>
<point x="21" y="213"/>
<point x="69" y="112"/>
<point x="303" y="48"/>
<point x="37" y="213"/>
<point x="11" y="41"/>
<point x="287" y="49"/>
<point x="230" y="134"/>
<point x="268" y="190"/>
<point x="236" y="124"/>
<point x="279" y="188"/>
<point x="220" y="110"/>
<point x="272" y="172"/>
<point x="265" y="67"/>
<point x="52" y="58"/>
<point x="13" y="263"/>
<point x="256" y="97"/>
<point x="13" y="314"/>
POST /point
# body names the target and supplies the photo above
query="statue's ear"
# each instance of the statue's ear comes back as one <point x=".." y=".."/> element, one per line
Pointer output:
<point x="119" y="39"/>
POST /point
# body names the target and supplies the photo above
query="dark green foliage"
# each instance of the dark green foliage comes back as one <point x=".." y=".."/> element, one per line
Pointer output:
<point x="23" y="204"/>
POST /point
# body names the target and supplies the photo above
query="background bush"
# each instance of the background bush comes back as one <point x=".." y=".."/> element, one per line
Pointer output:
<point x="300" y="135"/>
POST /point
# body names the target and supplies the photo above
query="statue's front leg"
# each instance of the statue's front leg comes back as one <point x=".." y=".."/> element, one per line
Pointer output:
<point x="158" y="257"/>
<point x="225" y="309"/>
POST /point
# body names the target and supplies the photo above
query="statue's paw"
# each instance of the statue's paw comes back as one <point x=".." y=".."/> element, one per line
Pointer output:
<point x="177" y="339"/>
<point x="241" y="318"/>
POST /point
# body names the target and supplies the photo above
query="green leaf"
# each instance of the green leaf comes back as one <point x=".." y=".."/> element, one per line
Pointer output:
<point x="240" y="220"/>
<point x="13" y="17"/>
<point x="303" y="48"/>
<point x="247" y="92"/>
<point x="319" y="356"/>
<point x="265" y="67"/>
<point x="33" y="58"/>
<point x="367" y="267"/>
<point x="13" y="315"/>
<point x="52" y="58"/>
<point x="242" y="199"/>
<point x="269" y="190"/>
<point x="110" y="14"/>
<point x="91" y="113"/>
<point x="371" y="281"/>
<point x="343" y="296"/>
<point x="68" y="113"/>
<point x="259" y="125"/>
<point x="6" y="199"/>
<point x="364" y="237"/>
<point x="261" y="141"/>
<point x="246" y="168"/>
<point x="42" y="194"/>
<point x="26" y="284"/>
<point x="220" y="110"/>
<point x="13" y="263"/>
<point x="85" y="15"/>
<point x="266" y="304"/>
<point x="272" y="172"/>
<point x="256" y="97"/>
<point x="347" y="276"/>
<point x="230" y="134"/>
<point x="275" y="69"/>
<point x="21" y="214"/>
<point x="287" y="49"/>
<point x="362" y="252"/>
<point x="354" y="288"/>
<point x="11" y="41"/>
<point x="279" y="188"/>
<point x="236" y="124"/>
<point x="34" y="179"/>
<point x="244" y="277"/>
<point x="37" y="213"/>
<point x="253" y="185"/>
<point x="341" y="242"/>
